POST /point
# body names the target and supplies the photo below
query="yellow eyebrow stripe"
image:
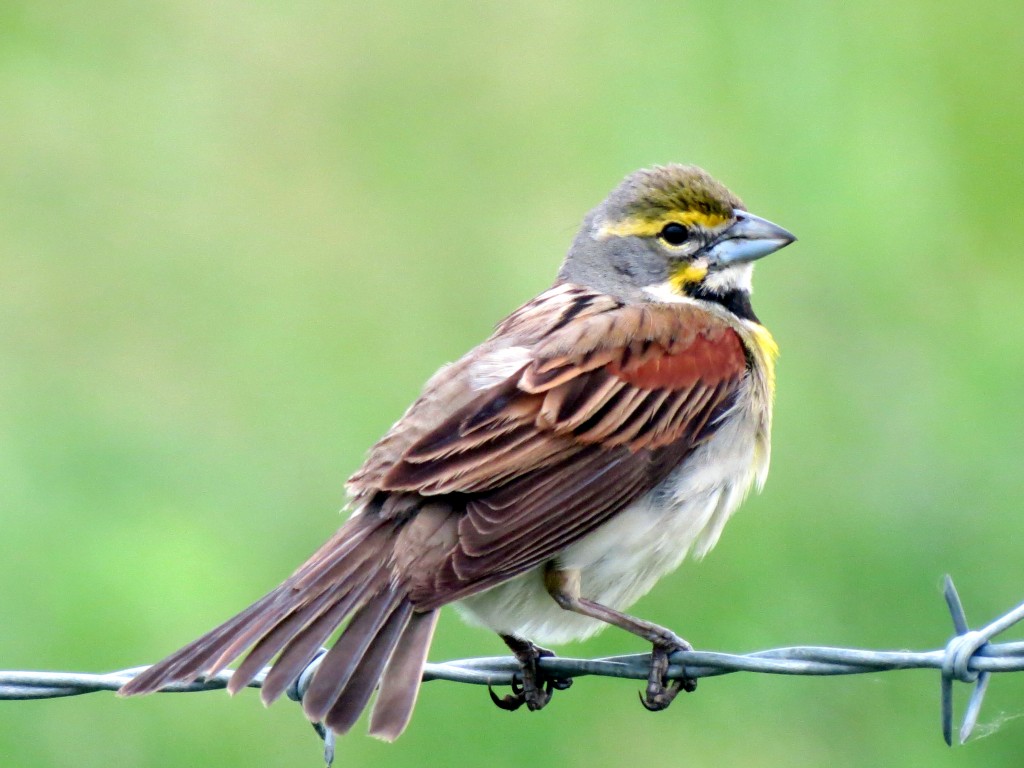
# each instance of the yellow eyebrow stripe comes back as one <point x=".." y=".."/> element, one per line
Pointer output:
<point x="644" y="227"/>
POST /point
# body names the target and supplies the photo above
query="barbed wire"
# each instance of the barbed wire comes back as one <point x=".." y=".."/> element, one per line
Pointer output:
<point x="969" y="657"/>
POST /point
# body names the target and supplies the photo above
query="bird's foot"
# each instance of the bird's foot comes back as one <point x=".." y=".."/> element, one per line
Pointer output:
<point x="660" y="690"/>
<point x="536" y="687"/>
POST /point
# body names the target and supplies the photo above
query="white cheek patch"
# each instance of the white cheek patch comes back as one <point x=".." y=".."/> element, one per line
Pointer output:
<point x="735" y="278"/>
<point x="496" y="367"/>
<point x="665" y="293"/>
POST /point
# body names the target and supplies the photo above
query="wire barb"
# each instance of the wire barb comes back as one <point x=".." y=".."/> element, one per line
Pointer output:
<point x="970" y="657"/>
<point x="298" y="689"/>
<point x="964" y="661"/>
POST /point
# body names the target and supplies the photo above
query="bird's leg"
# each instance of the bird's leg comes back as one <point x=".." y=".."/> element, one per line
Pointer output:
<point x="564" y="587"/>
<point x="536" y="688"/>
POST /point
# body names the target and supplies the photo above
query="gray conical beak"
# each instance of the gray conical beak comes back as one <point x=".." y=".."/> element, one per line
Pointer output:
<point x="749" y="238"/>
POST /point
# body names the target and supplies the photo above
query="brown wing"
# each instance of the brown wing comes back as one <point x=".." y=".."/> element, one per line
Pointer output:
<point x="580" y="406"/>
<point x="605" y="408"/>
<point x="452" y="388"/>
<point x="643" y="387"/>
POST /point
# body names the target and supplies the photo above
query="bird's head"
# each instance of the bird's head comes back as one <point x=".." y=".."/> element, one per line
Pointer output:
<point x="670" y="233"/>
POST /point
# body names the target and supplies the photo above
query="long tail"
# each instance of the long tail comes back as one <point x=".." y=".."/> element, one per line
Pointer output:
<point x="385" y="642"/>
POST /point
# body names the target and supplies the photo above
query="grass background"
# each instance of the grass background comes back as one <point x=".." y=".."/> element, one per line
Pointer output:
<point x="235" y="238"/>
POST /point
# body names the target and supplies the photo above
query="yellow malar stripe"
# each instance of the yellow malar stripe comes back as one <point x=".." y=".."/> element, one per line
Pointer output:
<point x="688" y="274"/>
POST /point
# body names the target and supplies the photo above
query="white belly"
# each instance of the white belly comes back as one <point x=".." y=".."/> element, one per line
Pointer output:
<point x="620" y="561"/>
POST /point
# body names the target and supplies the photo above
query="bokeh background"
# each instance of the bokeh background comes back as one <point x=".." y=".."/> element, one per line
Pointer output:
<point x="236" y="237"/>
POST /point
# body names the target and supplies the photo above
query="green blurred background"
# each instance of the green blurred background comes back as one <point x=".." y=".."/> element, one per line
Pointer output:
<point x="235" y="238"/>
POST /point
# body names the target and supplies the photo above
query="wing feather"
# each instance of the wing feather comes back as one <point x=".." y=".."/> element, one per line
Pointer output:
<point x="603" y="408"/>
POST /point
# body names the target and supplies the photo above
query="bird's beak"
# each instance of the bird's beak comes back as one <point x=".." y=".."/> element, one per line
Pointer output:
<point x="749" y="238"/>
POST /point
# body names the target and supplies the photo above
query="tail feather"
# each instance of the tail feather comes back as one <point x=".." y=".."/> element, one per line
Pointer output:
<point x="340" y="662"/>
<point x="179" y="666"/>
<point x="400" y="683"/>
<point x="336" y="569"/>
<point x="349" y="577"/>
<point x="301" y="649"/>
<point x="353" y="699"/>
<point x="293" y="625"/>
<point x="241" y="639"/>
<point x="309" y="624"/>
<point x="338" y="549"/>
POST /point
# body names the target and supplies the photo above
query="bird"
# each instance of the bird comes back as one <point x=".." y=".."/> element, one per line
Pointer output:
<point x="547" y="479"/>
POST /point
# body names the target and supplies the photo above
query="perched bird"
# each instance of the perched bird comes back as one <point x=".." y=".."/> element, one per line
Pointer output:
<point x="548" y="478"/>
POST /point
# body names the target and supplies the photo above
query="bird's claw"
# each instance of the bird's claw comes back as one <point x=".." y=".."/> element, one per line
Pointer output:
<point x="510" y="702"/>
<point x="534" y="696"/>
<point x="660" y="690"/>
<point x="660" y="696"/>
<point x="532" y="686"/>
<point x="558" y="683"/>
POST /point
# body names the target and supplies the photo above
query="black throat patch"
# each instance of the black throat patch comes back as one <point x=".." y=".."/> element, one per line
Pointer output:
<point x="736" y="301"/>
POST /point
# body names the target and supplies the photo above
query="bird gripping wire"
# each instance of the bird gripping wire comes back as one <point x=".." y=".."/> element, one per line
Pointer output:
<point x="970" y="657"/>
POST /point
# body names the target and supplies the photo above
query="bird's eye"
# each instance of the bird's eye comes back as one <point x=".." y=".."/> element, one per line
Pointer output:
<point x="674" y="233"/>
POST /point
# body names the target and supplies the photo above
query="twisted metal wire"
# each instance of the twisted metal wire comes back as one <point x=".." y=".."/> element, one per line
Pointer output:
<point x="969" y="657"/>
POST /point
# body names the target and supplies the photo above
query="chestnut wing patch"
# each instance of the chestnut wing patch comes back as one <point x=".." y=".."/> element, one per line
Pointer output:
<point x="643" y="392"/>
<point x="592" y="424"/>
